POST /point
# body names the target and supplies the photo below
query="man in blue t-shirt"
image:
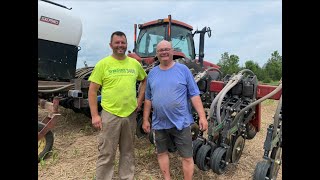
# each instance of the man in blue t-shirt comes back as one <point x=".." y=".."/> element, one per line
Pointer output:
<point x="170" y="87"/>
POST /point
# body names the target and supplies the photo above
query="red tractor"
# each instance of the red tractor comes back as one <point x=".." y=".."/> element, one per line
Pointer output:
<point x="232" y="102"/>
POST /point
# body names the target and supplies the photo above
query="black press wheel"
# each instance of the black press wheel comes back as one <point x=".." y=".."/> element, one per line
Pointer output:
<point x="217" y="160"/>
<point x="203" y="157"/>
<point x="196" y="144"/>
<point x="261" y="171"/>
<point x="45" y="143"/>
<point x="237" y="149"/>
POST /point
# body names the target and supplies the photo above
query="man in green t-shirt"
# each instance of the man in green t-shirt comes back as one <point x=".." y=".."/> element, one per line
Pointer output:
<point x="117" y="75"/>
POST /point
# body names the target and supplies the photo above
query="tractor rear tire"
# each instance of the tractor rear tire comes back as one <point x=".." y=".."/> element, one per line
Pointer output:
<point x="45" y="143"/>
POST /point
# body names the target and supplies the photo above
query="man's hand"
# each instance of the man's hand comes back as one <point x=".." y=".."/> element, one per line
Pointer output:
<point x="146" y="126"/>
<point x="97" y="122"/>
<point x="203" y="124"/>
<point x="138" y="108"/>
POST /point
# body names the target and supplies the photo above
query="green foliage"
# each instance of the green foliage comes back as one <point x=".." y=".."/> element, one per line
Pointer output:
<point x="274" y="83"/>
<point x="274" y="66"/>
<point x="54" y="158"/>
<point x="270" y="72"/>
<point x="266" y="80"/>
<point x="42" y="162"/>
<point x="254" y="67"/>
<point x="229" y="64"/>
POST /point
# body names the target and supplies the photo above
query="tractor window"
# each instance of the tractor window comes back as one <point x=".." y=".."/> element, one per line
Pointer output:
<point x="182" y="41"/>
<point x="181" y="38"/>
<point x="148" y="40"/>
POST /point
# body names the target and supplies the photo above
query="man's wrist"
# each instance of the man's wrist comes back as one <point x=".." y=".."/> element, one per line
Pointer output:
<point x="94" y="115"/>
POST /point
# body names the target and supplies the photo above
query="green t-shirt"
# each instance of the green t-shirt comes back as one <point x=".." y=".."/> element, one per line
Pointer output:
<point x="118" y="81"/>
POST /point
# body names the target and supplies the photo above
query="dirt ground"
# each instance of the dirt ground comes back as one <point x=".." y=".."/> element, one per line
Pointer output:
<point x="74" y="152"/>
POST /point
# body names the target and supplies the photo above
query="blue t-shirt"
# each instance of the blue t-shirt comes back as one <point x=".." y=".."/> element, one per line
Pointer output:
<point x="170" y="92"/>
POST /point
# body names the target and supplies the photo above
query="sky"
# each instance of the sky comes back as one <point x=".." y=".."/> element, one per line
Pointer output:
<point x="250" y="29"/>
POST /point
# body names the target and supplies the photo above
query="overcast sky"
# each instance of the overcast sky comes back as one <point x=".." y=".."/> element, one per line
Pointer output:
<point x="250" y="29"/>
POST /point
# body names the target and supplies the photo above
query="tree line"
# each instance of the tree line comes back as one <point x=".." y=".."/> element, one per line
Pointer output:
<point x="269" y="72"/>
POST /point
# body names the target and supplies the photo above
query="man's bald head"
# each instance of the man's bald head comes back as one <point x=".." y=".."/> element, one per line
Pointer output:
<point x="165" y="53"/>
<point x="164" y="44"/>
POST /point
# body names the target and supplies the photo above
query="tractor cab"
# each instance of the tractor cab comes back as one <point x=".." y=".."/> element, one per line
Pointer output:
<point x="177" y="32"/>
<point x="150" y="36"/>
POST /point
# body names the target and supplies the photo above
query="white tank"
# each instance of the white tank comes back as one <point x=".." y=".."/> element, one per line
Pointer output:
<point x="58" y="24"/>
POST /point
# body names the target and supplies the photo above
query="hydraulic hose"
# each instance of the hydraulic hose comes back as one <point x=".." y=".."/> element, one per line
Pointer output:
<point x="199" y="76"/>
<point x="216" y="99"/>
<point x="56" y="90"/>
<point x="224" y="91"/>
<point x="216" y="69"/>
<point x="81" y="73"/>
<point x="236" y="118"/>
<point x="50" y="86"/>
<point x="222" y="96"/>
<point x="236" y="79"/>
<point x="246" y="70"/>
<point x="85" y="74"/>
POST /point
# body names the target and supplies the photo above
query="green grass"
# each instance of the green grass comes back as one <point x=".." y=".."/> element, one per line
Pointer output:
<point x="272" y="83"/>
<point x="268" y="102"/>
<point x="52" y="159"/>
